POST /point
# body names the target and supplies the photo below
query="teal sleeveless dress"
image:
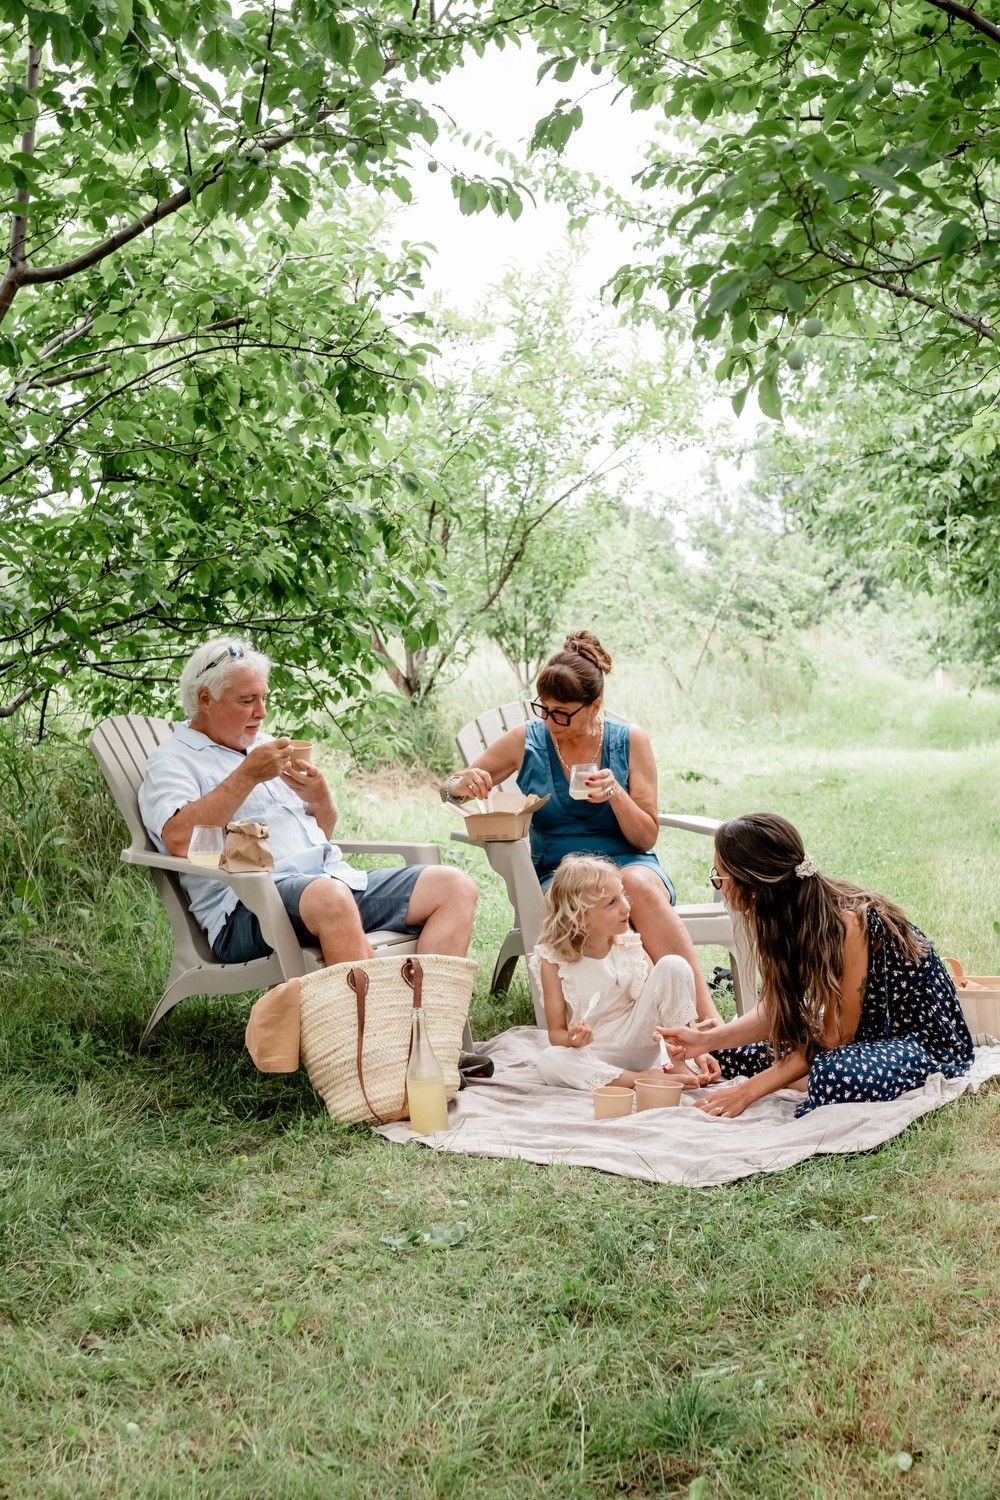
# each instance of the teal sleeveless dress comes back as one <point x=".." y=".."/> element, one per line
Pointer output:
<point x="563" y="826"/>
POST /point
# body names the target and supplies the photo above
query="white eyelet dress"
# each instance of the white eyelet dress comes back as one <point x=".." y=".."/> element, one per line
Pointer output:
<point x="621" y="997"/>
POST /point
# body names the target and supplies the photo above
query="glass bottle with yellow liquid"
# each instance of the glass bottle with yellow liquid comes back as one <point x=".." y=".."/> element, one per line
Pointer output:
<point x="428" y="1104"/>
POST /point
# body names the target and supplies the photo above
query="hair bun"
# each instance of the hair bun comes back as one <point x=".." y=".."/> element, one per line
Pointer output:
<point x="584" y="643"/>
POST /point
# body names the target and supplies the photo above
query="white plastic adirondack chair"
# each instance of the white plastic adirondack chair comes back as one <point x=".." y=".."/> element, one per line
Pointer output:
<point x="121" y="747"/>
<point x="709" y="922"/>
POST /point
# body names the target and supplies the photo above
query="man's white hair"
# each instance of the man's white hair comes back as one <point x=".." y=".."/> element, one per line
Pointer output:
<point x="211" y="665"/>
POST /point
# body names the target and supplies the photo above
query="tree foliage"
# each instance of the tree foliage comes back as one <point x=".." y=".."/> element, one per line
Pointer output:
<point x="540" y="418"/>
<point x="822" y="165"/>
<point x="198" y="380"/>
<point x="903" y="483"/>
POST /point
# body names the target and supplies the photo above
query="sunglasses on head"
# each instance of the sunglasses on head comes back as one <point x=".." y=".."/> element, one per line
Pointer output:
<point x="236" y="653"/>
<point x="560" y="716"/>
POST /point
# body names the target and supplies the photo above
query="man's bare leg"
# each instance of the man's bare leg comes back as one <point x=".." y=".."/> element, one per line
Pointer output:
<point x="329" y="910"/>
<point x="443" y="905"/>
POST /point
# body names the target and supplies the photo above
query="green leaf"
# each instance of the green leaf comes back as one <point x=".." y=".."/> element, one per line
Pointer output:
<point x="369" y="64"/>
<point x="768" y="397"/>
<point x="145" y="98"/>
<point x="753" y="33"/>
<point x="215" y="50"/>
<point x="340" y="41"/>
<point x="725" y="292"/>
<point x="703" y="103"/>
<point x="878" y="177"/>
<point x="954" y="238"/>
<point x="794" y="296"/>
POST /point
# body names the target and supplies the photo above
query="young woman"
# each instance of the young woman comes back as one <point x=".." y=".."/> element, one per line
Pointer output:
<point x="855" y="1003"/>
<point x="602" y="995"/>
<point x="618" y="819"/>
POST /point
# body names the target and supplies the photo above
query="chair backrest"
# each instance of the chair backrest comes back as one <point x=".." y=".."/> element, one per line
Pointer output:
<point x="478" y="736"/>
<point x="472" y="739"/>
<point x="122" y="746"/>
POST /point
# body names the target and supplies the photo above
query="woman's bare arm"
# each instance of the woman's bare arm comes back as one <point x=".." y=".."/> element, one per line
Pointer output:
<point x="840" y="1029"/>
<point x="502" y="759"/>
<point x="635" y="806"/>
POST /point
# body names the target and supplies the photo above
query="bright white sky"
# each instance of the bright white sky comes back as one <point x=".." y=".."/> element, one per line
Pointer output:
<point x="499" y="96"/>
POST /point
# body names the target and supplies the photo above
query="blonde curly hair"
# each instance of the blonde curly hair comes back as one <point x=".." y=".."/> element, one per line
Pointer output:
<point x="577" y="886"/>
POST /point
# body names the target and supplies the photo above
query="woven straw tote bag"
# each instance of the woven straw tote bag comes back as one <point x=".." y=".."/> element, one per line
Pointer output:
<point x="356" y="1023"/>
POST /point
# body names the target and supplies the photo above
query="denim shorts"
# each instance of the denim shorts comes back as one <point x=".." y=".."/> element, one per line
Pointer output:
<point x="382" y="906"/>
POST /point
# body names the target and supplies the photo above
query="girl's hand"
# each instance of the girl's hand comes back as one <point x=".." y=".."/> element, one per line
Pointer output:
<point x="708" y="1068"/>
<point x="580" y="1036"/>
<point x="728" y="1103"/>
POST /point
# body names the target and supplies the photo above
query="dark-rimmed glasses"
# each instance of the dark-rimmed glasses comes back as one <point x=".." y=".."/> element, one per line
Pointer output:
<point x="715" y="879"/>
<point x="561" y="716"/>
<point x="235" y="652"/>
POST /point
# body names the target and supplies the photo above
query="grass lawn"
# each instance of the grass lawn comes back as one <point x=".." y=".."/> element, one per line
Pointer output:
<point x="210" y="1288"/>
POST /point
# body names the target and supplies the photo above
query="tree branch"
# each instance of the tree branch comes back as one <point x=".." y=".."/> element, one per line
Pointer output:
<point x="970" y="16"/>
<point x="7" y="709"/>
<point x="19" y="223"/>
<point x="21" y="274"/>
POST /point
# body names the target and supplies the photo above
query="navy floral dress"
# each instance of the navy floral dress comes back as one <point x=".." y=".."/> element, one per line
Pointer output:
<point x="911" y="1026"/>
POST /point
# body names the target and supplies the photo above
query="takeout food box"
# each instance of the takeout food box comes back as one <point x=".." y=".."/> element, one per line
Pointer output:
<point x="979" y="997"/>
<point x="509" y="819"/>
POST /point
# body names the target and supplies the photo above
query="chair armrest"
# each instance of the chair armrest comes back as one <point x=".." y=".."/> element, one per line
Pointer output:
<point x="689" y="821"/>
<point x="153" y="861"/>
<point x="256" y="889"/>
<point x="511" y="859"/>
<point x="412" y="854"/>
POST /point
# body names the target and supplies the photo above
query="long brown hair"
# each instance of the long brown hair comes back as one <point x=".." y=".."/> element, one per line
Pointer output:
<point x="575" y="673"/>
<point x="795" y="924"/>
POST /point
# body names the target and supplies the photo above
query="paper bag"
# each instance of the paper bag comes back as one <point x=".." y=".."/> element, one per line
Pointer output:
<point x="246" y="849"/>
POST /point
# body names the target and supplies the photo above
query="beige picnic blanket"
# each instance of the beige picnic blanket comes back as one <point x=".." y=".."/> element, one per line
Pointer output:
<point x="515" y="1114"/>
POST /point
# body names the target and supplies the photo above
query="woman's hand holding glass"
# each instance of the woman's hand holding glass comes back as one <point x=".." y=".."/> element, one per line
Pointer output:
<point x="592" y="783"/>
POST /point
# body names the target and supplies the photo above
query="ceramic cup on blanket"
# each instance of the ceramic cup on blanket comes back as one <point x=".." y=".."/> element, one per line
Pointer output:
<point x="657" y="1095"/>
<point x="610" y="1102"/>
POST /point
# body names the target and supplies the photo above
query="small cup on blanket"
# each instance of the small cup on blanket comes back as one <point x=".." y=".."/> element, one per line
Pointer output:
<point x="612" y="1101"/>
<point x="665" y="1095"/>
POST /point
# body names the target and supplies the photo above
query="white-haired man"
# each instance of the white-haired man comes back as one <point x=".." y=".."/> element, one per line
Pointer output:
<point x="219" y="766"/>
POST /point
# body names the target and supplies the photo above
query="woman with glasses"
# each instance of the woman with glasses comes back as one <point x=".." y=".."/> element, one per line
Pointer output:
<point x="611" y="811"/>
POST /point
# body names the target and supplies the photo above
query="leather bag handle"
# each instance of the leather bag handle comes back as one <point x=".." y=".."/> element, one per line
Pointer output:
<point x="414" y="976"/>
<point x="357" y="981"/>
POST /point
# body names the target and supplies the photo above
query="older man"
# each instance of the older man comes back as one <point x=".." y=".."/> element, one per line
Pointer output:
<point x="219" y="766"/>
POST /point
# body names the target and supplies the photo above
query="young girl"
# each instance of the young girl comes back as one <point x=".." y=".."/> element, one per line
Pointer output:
<point x="855" y="1004"/>
<point x="602" y="996"/>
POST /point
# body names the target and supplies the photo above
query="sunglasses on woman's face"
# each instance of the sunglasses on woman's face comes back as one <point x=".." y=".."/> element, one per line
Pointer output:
<point x="715" y="879"/>
<point x="560" y="716"/>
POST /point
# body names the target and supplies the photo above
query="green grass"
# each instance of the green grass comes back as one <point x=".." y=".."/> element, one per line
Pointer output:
<point x="203" y="1289"/>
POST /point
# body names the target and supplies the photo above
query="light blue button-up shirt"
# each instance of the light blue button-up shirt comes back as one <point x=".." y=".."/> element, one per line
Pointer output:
<point x="189" y="765"/>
